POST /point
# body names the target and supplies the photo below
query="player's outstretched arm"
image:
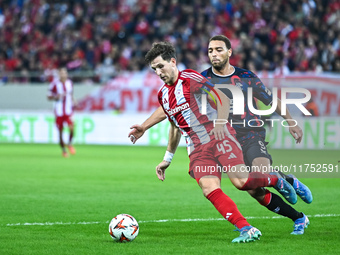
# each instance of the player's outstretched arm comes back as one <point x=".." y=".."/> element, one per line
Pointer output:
<point x="138" y="130"/>
<point x="174" y="139"/>
<point x="55" y="97"/>
<point x="223" y="106"/>
<point x="296" y="131"/>
<point x="50" y="97"/>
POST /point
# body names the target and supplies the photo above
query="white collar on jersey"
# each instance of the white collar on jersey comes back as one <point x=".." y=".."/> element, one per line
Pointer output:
<point x="212" y="69"/>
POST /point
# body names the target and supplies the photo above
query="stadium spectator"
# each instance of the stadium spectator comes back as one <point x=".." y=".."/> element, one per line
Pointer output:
<point x="307" y="29"/>
<point x="106" y="70"/>
<point x="61" y="92"/>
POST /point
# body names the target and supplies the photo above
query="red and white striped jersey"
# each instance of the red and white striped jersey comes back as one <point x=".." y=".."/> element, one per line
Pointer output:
<point x="182" y="103"/>
<point x="64" y="105"/>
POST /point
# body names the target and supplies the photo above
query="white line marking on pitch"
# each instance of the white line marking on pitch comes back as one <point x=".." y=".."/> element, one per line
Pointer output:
<point x="157" y="221"/>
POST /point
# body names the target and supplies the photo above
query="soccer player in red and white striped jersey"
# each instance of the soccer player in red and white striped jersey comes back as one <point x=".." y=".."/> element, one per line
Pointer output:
<point x="182" y="101"/>
<point x="251" y="139"/>
<point x="210" y="142"/>
<point x="61" y="92"/>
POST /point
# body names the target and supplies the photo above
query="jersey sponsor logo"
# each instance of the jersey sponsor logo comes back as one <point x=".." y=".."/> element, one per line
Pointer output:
<point x="178" y="109"/>
<point x="263" y="147"/>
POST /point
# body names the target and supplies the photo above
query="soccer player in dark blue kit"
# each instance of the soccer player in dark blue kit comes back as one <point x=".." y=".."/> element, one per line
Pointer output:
<point x="251" y="138"/>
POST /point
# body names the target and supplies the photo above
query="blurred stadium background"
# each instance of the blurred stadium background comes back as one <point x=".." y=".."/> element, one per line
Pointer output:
<point x="103" y="43"/>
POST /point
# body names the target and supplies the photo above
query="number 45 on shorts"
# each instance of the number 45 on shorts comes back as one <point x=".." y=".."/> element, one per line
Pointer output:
<point x="224" y="147"/>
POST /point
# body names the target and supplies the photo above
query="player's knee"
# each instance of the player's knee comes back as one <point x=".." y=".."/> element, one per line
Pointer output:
<point x="206" y="191"/>
<point x="239" y="183"/>
<point x="207" y="185"/>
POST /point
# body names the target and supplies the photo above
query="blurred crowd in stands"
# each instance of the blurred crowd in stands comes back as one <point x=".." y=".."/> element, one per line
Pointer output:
<point x="105" y="37"/>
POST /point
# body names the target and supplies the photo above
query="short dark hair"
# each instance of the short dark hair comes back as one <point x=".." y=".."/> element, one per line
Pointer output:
<point x="164" y="49"/>
<point x="221" y="38"/>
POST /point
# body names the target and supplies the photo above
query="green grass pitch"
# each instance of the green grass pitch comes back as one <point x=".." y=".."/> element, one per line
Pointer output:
<point x="37" y="185"/>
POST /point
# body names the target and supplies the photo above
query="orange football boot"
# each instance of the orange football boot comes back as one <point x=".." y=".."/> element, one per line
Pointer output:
<point x="71" y="149"/>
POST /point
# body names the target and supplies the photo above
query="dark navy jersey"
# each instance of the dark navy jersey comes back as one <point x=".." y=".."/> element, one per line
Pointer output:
<point x="243" y="79"/>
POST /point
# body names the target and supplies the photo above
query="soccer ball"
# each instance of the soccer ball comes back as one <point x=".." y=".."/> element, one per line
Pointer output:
<point x="123" y="228"/>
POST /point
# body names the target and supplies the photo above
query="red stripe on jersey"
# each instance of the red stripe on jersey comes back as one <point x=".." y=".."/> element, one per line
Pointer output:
<point x="54" y="89"/>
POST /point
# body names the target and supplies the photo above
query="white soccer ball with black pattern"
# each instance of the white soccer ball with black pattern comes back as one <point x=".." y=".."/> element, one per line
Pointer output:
<point x="123" y="228"/>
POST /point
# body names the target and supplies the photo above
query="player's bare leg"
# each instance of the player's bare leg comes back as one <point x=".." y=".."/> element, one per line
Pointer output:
<point x="211" y="188"/>
<point x="71" y="149"/>
<point x="61" y="143"/>
<point x="263" y="165"/>
<point x="209" y="184"/>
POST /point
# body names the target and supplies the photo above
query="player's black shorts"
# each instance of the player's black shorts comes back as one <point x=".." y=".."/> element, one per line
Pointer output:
<point x="253" y="148"/>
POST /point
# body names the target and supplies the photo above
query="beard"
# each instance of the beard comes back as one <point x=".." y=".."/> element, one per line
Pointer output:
<point x="170" y="78"/>
<point x="220" y="65"/>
